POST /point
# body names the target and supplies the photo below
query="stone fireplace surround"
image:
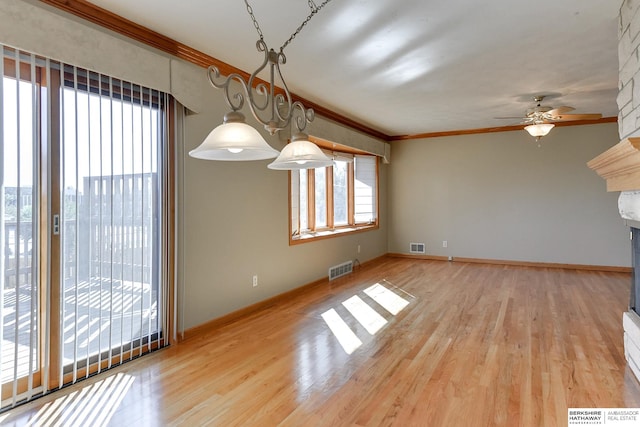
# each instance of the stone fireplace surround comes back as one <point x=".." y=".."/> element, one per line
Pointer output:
<point x="620" y="167"/>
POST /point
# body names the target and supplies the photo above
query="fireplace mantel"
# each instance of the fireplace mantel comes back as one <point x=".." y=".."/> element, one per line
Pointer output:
<point x="620" y="165"/>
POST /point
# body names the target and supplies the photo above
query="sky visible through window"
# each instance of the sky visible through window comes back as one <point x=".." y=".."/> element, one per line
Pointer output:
<point x="103" y="136"/>
<point x="10" y="121"/>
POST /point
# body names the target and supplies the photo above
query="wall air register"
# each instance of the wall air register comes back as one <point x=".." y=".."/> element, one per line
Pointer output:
<point x="340" y="270"/>
<point x="417" y="248"/>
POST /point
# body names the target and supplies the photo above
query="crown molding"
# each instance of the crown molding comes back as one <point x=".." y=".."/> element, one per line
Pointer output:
<point x="102" y="17"/>
<point x="123" y="26"/>
<point x="496" y="129"/>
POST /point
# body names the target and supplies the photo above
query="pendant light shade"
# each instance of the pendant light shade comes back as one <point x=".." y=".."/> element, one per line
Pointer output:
<point x="300" y="153"/>
<point x="234" y="140"/>
<point x="539" y="130"/>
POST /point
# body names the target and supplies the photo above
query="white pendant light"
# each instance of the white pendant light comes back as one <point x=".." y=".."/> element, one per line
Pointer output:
<point x="539" y="130"/>
<point x="270" y="105"/>
<point x="300" y="153"/>
<point x="234" y="140"/>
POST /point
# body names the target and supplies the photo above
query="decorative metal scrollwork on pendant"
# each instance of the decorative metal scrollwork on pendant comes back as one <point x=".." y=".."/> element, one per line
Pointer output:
<point x="279" y="107"/>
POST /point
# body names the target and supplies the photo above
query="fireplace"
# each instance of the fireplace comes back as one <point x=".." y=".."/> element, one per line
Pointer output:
<point x="634" y="300"/>
<point x="631" y="319"/>
<point x="620" y="167"/>
<point x="629" y="208"/>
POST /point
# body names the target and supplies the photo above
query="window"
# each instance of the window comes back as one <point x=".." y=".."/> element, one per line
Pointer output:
<point x="334" y="200"/>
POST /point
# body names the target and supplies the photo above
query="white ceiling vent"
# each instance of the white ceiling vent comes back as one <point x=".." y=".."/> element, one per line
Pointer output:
<point x="417" y="248"/>
<point x="340" y="270"/>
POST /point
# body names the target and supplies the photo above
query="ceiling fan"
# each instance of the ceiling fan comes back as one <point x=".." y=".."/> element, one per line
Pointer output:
<point x="540" y="119"/>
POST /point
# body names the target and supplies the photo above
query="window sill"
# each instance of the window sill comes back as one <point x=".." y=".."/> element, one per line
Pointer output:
<point x="328" y="234"/>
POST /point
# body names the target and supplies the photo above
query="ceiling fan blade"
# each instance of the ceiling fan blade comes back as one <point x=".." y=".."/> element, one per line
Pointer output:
<point x="557" y="111"/>
<point x="565" y="117"/>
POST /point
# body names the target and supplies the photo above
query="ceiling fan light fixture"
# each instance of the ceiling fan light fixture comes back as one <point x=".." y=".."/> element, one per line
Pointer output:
<point x="234" y="140"/>
<point x="538" y="130"/>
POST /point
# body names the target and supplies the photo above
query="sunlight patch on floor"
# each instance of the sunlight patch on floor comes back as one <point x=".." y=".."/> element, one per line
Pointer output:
<point x="93" y="405"/>
<point x="389" y="300"/>
<point x="347" y="339"/>
<point x="367" y="316"/>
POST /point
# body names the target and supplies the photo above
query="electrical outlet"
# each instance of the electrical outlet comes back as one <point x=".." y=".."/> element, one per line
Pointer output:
<point x="444" y="243"/>
<point x="358" y="248"/>
<point x="255" y="280"/>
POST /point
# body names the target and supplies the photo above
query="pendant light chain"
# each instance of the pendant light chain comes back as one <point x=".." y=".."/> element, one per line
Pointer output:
<point x="253" y="18"/>
<point x="314" y="9"/>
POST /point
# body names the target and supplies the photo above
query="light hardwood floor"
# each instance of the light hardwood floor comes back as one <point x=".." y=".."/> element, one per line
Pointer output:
<point x="477" y="345"/>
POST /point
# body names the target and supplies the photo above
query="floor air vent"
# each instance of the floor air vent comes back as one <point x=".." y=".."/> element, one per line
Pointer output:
<point x="340" y="270"/>
<point x="417" y="248"/>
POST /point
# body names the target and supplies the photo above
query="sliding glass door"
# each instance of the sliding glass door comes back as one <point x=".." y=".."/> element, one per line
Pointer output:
<point x="85" y="221"/>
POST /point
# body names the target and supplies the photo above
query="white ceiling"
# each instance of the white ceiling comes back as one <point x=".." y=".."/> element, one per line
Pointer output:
<point x="413" y="66"/>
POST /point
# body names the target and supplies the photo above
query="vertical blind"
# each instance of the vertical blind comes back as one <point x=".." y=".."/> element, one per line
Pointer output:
<point x="85" y="220"/>
<point x="20" y="352"/>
